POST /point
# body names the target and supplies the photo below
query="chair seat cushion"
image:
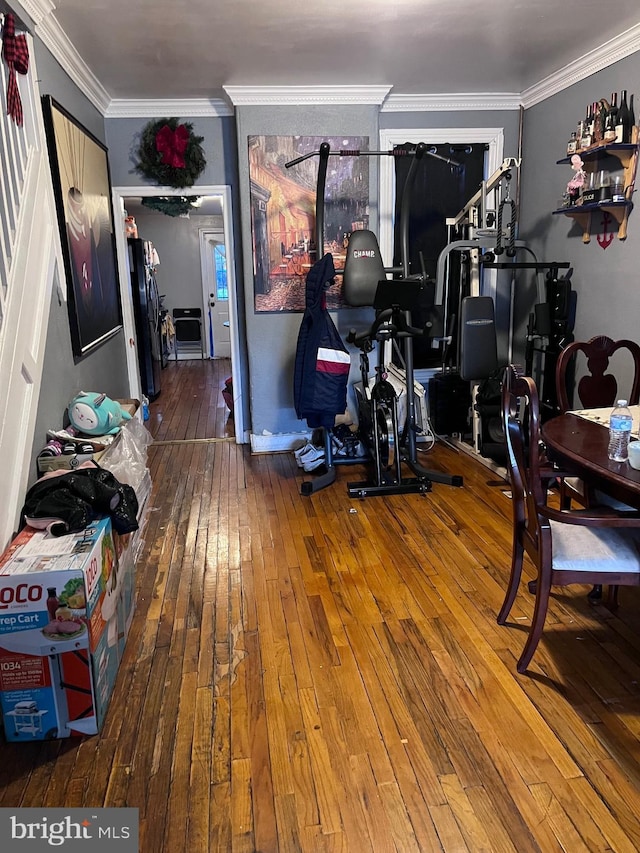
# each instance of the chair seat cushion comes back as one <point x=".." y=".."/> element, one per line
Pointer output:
<point x="595" y="549"/>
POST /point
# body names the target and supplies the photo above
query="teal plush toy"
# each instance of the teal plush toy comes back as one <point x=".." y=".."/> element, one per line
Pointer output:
<point x="96" y="414"/>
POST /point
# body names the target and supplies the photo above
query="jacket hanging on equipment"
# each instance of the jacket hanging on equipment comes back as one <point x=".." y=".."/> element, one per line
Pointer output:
<point x="322" y="361"/>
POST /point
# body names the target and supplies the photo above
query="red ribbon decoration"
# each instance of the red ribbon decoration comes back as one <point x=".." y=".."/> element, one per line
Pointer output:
<point x="172" y="144"/>
<point x="16" y="55"/>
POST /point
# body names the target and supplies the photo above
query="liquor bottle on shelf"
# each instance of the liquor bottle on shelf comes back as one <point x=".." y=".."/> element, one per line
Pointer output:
<point x="587" y="130"/>
<point x="633" y="116"/>
<point x="611" y="119"/>
<point x="572" y="144"/>
<point x="599" y="113"/>
<point x="623" y="122"/>
<point x="579" y="135"/>
<point x="592" y="121"/>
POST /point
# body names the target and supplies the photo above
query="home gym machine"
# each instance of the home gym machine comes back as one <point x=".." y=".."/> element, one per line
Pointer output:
<point x="365" y="284"/>
<point x="485" y="234"/>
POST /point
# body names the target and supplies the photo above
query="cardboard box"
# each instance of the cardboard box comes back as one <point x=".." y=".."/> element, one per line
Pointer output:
<point x="65" y="610"/>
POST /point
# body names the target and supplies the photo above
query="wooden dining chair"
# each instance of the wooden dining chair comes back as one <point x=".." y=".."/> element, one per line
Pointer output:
<point x="594" y="546"/>
<point x="596" y="388"/>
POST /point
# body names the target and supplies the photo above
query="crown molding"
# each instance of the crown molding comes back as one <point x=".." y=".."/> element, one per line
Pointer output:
<point x="451" y="103"/>
<point x="37" y="9"/>
<point x="154" y="108"/>
<point x="611" y="51"/>
<point x="242" y="96"/>
<point x="58" y="44"/>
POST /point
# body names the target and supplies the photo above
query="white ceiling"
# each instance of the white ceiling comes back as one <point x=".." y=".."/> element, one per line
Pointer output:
<point x="160" y="49"/>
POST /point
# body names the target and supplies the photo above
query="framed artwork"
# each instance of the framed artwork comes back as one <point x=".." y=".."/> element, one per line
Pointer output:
<point x="82" y="189"/>
<point x="283" y="208"/>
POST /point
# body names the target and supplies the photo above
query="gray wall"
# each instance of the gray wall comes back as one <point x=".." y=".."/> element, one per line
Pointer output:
<point x="507" y="119"/>
<point x="177" y="242"/>
<point x="272" y="338"/>
<point x="219" y="145"/>
<point x="105" y="369"/>
<point x="606" y="280"/>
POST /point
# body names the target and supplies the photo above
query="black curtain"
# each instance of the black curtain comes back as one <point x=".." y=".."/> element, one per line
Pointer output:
<point x="439" y="191"/>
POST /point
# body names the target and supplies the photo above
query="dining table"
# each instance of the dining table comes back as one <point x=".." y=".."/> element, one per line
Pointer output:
<point x="578" y="442"/>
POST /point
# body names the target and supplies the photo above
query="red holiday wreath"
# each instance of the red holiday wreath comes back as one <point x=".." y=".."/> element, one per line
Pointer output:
<point x="170" y="153"/>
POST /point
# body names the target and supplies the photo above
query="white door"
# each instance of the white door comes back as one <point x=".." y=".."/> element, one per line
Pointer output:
<point x="216" y="293"/>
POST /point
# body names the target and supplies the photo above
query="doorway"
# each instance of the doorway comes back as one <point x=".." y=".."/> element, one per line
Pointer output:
<point x="222" y="195"/>
<point x="215" y="293"/>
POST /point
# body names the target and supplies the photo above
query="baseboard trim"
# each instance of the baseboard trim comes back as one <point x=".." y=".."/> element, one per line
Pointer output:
<point x="278" y="443"/>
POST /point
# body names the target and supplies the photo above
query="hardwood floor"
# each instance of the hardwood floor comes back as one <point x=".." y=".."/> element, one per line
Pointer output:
<point x="322" y="673"/>
<point x="190" y="405"/>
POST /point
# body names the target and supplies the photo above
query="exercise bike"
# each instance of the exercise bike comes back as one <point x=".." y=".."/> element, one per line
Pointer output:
<point x="378" y="402"/>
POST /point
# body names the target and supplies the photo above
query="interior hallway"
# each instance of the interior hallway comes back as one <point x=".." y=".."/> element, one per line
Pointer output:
<point x="323" y="674"/>
<point x="190" y="405"/>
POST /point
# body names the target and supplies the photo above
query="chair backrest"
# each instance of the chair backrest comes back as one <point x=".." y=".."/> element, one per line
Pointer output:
<point x="521" y="424"/>
<point x="187" y="323"/>
<point x="187" y="313"/>
<point x="596" y="388"/>
<point x="363" y="269"/>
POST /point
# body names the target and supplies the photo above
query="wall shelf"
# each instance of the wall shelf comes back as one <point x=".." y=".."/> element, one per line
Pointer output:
<point x="623" y="151"/>
<point x="627" y="156"/>
<point x="582" y="214"/>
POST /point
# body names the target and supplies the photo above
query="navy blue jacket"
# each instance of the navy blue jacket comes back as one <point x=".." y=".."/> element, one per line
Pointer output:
<point x="322" y="361"/>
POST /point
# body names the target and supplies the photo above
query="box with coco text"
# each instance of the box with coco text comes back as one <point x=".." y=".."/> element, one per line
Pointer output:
<point x="63" y="622"/>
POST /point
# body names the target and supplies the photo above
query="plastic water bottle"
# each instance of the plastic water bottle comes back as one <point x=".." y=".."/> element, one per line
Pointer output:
<point x="620" y="425"/>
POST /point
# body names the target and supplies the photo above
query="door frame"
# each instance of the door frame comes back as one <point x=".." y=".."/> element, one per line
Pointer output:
<point x="493" y="137"/>
<point x="118" y="195"/>
<point x="208" y="274"/>
<point x="389" y="138"/>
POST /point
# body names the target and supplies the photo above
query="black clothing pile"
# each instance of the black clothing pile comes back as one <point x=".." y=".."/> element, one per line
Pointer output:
<point x="69" y="502"/>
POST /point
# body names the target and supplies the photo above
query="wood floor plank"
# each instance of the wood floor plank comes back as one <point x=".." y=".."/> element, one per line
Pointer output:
<point x="241" y="815"/>
<point x="199" y="785"/>
<point x="262" y="785"/>
<point x="327" y="790"/>
<point x="220" y="817"/>
<point x="472" y="830"/>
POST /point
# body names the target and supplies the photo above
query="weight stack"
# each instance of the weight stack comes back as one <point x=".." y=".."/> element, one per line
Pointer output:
<point x="449" y="404"/>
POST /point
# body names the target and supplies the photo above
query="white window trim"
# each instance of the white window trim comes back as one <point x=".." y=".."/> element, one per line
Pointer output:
<point x="390" y="137"/>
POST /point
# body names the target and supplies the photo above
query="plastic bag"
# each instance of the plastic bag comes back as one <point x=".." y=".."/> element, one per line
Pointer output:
<point x="126" y="458"/>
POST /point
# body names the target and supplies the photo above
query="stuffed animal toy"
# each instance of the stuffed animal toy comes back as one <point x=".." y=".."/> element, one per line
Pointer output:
<point x="96" y="414"/>
<point x="578" y="181"/>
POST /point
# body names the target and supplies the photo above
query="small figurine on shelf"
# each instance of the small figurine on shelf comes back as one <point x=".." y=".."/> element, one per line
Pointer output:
<point x="578" y="181"/>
